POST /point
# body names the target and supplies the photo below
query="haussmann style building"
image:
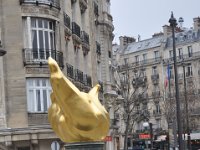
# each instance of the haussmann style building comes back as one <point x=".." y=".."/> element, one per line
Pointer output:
<point x="78" y="35"/>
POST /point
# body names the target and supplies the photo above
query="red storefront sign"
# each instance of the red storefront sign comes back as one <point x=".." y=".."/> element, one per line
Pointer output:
<point x="144" y="136"/>
<point x="108" y="138"/>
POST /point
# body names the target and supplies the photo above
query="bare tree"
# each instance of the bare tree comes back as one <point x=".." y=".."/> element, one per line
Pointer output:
<point x="132" y="86"/>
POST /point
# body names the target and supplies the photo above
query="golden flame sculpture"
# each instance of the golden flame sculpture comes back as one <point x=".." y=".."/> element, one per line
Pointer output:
<point x="75" y="116"/>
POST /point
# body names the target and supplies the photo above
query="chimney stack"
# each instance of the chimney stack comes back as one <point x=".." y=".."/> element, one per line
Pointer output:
<point x="167" y="30"/>
<point x="125" y="40"/>
<point x="196" y="23"/>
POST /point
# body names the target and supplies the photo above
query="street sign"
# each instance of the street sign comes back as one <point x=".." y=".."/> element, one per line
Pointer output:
<point x="55" y="145"/>
<point x="144" y="136"/>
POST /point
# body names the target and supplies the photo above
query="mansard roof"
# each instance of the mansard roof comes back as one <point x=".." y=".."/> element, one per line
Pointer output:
<point x="184" y="37"/>
<point x="143" y="45"/>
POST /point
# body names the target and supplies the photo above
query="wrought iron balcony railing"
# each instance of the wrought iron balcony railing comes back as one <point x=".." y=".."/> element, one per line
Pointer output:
<point x="76" y="29"/>
<point x="78" y="75"/>
<point x="139" y="81"/>
<point x="101" y="84"/>
<point x="98" y="48"/>
<point x="87" y="80"/>
<point x="155" y="76"/>
<point x="96" y="9"/>
<point x="67" y="21"/>
<point x="51" y="3"/>
<point x="39" y="56"/>
<point x="70" y="71"/>
<point x="85" y="37"/>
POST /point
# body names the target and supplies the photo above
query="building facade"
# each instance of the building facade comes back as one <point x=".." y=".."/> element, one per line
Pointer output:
<point x="150" y="62"/>
<point x="77" y="34"/>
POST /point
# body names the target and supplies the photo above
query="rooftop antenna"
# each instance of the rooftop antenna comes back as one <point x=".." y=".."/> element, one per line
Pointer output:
<point x="181" y="20"/>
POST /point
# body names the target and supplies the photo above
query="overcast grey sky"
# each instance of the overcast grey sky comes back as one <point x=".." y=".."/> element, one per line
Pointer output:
<point x="146" y="17"/>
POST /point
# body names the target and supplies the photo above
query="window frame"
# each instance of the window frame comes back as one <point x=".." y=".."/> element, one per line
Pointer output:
<point x="36" y="87"/>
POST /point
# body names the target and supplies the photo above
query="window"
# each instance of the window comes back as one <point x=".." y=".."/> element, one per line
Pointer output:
<point x="144" y="58"/>
<point x="171" y="55"/>
<point x="42" y="38"/>
<point x="180" y="53"/>
<point x="154" y="70"/>
<point x="189" y="51"/>
<point x="157" y="56"/>
<point x="137" y="59"/>
<point x="38" y="94"/>
<point x="157" y="108"/>
<point x="189" y="70"/>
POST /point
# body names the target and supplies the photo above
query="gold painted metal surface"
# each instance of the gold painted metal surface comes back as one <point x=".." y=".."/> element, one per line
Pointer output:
<point x="75" y="116"/>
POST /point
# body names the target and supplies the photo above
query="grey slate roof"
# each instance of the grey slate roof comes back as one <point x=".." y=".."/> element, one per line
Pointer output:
<point x="143" y="45"/>
<point x="187" y="36"/>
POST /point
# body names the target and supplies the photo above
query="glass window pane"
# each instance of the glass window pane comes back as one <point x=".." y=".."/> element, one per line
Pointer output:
<point x="45" y="24"/>
<point x="40" y="23"/>
<point x="30" y="83"/>
<point x="31" y="103"/>
<point x="34" y="39"/>
<point x="33" y="22"/>
<point x="41" y="41"/>
<point x="45" y="99"/>
<point x="46" y="40"/>
<point x="37" y="82"/>
<point x="43" y="82"/>
<point x="50" y="25"/>
<point x="38" y="100"/>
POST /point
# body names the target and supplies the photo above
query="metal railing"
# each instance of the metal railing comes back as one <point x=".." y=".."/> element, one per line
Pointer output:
<point x="51" y="3"/>
<point x="85" y="37"/>
<point x="70" y="71"/>
<point x="78" y="75"/>
<point x="76" y="29"/>
<point x="96" y="9"/>
<point x="98" y="48"/>
<point x="36" y="56"/>
<point x="87" y="80"/>
<point x="67" y="21"/>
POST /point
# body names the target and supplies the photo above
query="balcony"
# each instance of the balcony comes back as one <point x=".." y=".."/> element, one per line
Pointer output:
<point x="101" y="84"/>
<point x="85" y="42"/>
<point x="83" y="5"/>
<point x="67" y="24"/>
<point x="70" y="71"/>
<point x="155" y="78"/>
<point x="78" y="75"/>
<point x="143" y="98"/>
<point x="50" y="3"/>
<point x="76" y="32"/>
<point x="98" y="48"/>
<point x="96" y="9"/>
<point x="87" y="80"/>
<point x="32" y="57"/>
<point x="139" y="81"/>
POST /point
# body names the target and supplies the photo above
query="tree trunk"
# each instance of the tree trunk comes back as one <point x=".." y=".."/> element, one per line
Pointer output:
<point x="126" y="133"/>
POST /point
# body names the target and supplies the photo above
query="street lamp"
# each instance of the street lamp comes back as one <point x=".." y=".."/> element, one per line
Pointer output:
<point x="173" y="24"/>
<point x="148" y="124"/>
<point x="186" y="110"/>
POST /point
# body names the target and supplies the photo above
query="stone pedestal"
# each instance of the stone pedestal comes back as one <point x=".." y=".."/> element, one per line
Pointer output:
<point x="85" y="146"/>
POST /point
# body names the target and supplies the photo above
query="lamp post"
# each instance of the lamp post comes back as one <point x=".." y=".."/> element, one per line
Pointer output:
<point x="186" y="111"/>
<point x="173" y="24"/>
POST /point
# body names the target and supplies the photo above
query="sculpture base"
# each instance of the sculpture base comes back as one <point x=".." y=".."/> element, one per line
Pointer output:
<point x="85" y="146"/>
